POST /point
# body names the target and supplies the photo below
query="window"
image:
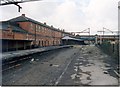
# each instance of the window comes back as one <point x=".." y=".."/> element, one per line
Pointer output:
<point x="36" y="28"/>
<point x="39" y="43"/>
<point x="45" y="30"/>
<point x="39" y="28"/>
<point x="42" y="29"/>
<point x="31" y="26"/>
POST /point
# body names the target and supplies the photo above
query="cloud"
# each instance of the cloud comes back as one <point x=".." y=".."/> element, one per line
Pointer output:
<point x="102" y="13"/>
<point x="39" y="10"/>
<point x="78" y="15"/>
<point x="8" y="12"/>
<point x="68" y="16"/>
<point x="71" y="15"/>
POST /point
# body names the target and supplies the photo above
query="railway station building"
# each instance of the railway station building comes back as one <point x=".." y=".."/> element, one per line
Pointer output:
<point x="25" y="33"/>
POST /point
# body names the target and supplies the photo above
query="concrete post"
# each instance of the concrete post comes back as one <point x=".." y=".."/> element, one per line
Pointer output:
<point x="7" y="46"/>
<point x="16" y="45"/>
<point x="24" y="45"/>
<point x="100" y="39"/>
<point x="96" y="41"/>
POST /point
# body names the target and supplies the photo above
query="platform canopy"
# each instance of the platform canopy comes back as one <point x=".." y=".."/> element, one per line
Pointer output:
<point x="70" y="38"/>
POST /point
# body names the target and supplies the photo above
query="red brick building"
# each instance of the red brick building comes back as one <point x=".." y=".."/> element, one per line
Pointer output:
<point x="23" y="33"/>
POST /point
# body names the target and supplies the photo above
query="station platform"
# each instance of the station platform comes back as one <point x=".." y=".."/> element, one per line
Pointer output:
<point x="13" y="54"/>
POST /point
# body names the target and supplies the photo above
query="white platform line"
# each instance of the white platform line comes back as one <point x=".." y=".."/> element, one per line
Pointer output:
<point x="117" y="73"/>
<point x="58" y="80"/>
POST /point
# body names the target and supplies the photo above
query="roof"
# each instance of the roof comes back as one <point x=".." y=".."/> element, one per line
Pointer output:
<point x="5" y="24"/>
<point x="87" y="38"/>
<point x="70" y="38"/>
<point x="23" y="18"/>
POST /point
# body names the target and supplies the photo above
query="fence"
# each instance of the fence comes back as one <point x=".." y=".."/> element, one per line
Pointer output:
<point x="111" y="49"/>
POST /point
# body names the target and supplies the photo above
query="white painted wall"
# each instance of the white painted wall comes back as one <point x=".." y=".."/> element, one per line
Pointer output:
<point x="119" y="26"/>
<point x="119" y="15"/>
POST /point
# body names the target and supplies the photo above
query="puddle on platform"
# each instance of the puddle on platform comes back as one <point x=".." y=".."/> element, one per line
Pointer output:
<point x="55" y="65"/>
<point x="73" y="76"/>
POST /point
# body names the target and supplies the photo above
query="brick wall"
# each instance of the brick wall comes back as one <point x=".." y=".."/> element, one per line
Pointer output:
<point x="37" y="35"/>
<point x="43" y="34"/>
<point x="6" y="34"/>
<point x="20" y="36"/>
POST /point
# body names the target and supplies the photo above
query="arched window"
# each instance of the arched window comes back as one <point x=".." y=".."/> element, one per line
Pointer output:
<point x="39" y="43"/>
<point x="47" y="43"/>
<point x="53" y="42"/>
<point x="42" y="43"/>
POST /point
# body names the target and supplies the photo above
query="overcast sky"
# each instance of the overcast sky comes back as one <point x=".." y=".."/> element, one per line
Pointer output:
<point x="71" y="15"/>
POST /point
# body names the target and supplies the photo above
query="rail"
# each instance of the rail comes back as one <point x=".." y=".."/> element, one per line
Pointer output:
<point x="16" y="58"/>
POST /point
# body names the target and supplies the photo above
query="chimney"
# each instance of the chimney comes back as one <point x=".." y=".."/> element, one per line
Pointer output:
<point x="23" y="15"/>
<point x="44" y="23"/>
<point x="52" y="26"/>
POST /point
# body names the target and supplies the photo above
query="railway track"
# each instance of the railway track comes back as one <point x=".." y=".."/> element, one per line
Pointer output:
<point x="13" y="63"/>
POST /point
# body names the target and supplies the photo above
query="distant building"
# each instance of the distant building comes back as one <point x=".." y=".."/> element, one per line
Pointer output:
<point x="72" y="41"/>
<point x="24" y="33"/>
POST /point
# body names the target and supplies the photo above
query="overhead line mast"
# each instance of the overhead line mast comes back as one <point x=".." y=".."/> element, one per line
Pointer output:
<point x="15" y="2"/>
